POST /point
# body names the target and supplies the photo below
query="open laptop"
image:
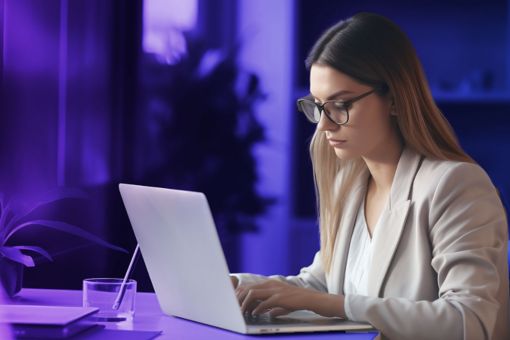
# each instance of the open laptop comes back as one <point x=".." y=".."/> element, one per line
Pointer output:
<point x="181" y="249"/>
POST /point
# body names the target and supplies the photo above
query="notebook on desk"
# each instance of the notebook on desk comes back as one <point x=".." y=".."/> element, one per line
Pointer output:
<point x="187" y="267"/>
<point x="51" y="322"/>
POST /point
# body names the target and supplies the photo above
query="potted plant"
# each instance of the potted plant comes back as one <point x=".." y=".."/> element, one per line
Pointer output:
<point x="202" y="108"/>
<point x="15" y="217"/>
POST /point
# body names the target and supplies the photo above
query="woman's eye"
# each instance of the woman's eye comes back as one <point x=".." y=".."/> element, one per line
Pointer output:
<point x="339" y="105"/>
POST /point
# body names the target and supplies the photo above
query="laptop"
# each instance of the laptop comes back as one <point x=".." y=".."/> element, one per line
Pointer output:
<point x="181" y="249"/>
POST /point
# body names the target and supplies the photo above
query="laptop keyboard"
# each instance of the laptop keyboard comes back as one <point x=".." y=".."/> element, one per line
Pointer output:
<point x="266" y="319"/>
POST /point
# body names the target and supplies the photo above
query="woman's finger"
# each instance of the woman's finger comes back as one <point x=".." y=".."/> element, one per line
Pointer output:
<point x="251" y="300"/>
<point x="254" y="297"/>
<point x="242" y="292"/>
<point x="277" y="311"/>
<point x="235" y="281"/>
<point x="266" y="304"/>
<point x="246" y="299"/>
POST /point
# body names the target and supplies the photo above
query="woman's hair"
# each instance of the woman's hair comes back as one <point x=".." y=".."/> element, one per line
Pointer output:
<point x="374" y="51"/>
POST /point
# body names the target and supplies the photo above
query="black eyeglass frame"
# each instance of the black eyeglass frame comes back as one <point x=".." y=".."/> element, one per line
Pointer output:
<point x="346" y="105"/>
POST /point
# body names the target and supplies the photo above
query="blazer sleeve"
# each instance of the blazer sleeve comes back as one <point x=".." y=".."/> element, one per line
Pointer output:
<point x="468" y="234"/>
<point x="312" y="276"/>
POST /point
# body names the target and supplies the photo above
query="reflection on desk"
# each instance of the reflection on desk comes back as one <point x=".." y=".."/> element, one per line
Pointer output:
<point x="149" y="317"/>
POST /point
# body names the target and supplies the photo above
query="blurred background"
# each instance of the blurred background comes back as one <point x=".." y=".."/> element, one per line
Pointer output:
<point x="200" y="95"/>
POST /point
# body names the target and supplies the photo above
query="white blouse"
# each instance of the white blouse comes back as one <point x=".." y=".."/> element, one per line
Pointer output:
<point x="359" y="257"/>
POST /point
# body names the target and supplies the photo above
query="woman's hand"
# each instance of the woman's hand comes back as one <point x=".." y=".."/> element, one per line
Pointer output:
<point x="235" y="281"/>
<point x="279" y="298"/>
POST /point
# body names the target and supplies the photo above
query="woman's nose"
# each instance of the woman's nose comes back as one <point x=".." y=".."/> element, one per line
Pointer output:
<point x="325" y="124"/>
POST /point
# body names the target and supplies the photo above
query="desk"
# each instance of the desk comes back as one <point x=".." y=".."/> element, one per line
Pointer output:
<point x="149" y="317"/>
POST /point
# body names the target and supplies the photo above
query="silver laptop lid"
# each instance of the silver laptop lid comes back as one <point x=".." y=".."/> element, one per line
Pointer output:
<point x="183" y="255"/>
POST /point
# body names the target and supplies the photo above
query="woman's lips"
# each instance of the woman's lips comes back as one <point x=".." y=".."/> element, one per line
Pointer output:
<point x="336" y="143"/>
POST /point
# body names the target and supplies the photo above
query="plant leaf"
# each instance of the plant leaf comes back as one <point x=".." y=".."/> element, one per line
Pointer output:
<point x="67" y="228"/>
<point x="51" y="197"/>
<point x="36" y="249"/>
<point x="3" y="222"/>
<point x="16" y="255"/>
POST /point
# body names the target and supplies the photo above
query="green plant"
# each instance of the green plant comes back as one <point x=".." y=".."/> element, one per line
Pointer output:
<point x="15" y="217"/>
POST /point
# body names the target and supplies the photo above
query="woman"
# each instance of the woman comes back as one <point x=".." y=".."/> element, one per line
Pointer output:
<point x="413" y="233"/>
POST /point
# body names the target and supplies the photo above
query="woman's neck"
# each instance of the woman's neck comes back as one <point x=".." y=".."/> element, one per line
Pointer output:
<point x="383" y="165"/>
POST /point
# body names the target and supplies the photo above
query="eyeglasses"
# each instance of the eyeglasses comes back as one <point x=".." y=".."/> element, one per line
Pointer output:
<point x="337" y="111"/>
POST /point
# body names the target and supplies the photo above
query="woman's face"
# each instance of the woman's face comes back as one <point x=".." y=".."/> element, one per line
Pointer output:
<point x="369" y="130"/>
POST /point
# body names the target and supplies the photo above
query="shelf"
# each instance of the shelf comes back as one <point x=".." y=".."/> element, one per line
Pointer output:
<point x="473" y="97"/>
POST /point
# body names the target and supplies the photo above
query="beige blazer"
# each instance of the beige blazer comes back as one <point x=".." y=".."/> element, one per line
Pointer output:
<point x="439" y="267"/>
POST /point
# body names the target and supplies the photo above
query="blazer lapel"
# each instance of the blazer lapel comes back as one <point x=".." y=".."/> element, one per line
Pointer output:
<point x="384" y="247"/>
<point x="392" y="220"/>
<point x="343" y="239"/>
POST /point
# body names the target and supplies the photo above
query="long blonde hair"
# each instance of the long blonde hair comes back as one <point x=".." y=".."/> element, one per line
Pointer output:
<point x="374" y="51"/>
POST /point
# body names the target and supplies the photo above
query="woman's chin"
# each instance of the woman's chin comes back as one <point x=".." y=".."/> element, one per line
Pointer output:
<point x="345" y="155"/>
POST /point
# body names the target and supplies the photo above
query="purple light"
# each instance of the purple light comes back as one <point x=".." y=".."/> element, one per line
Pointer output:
<point x="164" y="21"/>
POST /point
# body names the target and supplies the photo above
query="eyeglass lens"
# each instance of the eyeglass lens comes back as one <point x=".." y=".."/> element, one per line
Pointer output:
<point x="336" y="111"/>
